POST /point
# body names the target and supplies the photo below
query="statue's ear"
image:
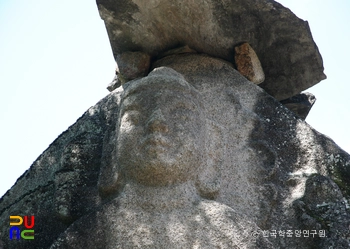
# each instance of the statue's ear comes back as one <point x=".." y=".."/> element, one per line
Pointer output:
<point x="110" y="180"/>
<point x="208" y="181"/>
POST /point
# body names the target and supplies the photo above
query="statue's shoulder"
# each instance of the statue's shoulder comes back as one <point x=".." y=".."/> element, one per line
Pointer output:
<point x="90" y="230"/>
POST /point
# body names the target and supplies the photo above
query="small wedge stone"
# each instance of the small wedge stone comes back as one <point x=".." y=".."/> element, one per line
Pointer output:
<point x="248" y="63"/>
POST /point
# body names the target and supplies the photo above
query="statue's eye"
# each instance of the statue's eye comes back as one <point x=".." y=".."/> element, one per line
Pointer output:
<point x="131" y="118"/>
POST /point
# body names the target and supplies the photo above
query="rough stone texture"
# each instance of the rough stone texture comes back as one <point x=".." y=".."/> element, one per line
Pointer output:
<point x="264" y="170"/>
<point x="61" y="184"/>
<point x="161" y="150"/>
<point x="180" y="50"/>
<point x="283" y="42"/>
<point x="248" y="64"/>
<point x="115" y="83"/>
<point x="132" y="65"/>
<point x="300" y="104"/>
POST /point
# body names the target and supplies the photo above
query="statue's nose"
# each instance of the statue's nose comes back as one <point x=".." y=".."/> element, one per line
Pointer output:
<point x="157" y="122"/>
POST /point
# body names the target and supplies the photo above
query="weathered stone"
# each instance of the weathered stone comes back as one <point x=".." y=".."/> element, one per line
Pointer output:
<point x="115" y="83"/>
<point x="248" y="63"/>
<point x="330" y="212"/>
<point x="61" y="184"/>
<point x="180" y="50"/>
<point x="283" y="42"/>
<point x="300" y="104"/>
<point x="263" y="169"/>
<point x="132" y="65"/>
<point x="161" y="150"/>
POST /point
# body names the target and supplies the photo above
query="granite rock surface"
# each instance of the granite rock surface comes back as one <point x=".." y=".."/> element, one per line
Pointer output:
<point x="283" y="42"/>
<point x="185" y="152"/>
<point x="263" y="165"/>
<point x="300" y="104"/>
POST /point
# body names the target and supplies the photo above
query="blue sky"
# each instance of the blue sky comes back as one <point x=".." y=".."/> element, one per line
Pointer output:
<point x="56" y="61"/>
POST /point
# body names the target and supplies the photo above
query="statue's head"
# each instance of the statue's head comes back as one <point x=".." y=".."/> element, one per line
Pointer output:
<point x="162" y="136"/>
<point x="161" y="130"/>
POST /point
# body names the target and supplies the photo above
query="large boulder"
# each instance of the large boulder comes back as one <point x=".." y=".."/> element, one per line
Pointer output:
<point x="283" y="42"/>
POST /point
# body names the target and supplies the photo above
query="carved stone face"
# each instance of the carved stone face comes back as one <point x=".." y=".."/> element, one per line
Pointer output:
<point x="161" y="133"/>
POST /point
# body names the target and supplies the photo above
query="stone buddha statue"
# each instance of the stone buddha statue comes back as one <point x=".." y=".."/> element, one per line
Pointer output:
<point x="161" y="177"/>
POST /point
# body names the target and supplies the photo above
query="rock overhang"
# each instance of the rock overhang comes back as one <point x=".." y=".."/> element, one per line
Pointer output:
<point x="283" y="42"/>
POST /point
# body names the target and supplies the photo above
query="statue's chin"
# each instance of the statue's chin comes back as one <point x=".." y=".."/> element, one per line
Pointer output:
<point x="157" y="153"/>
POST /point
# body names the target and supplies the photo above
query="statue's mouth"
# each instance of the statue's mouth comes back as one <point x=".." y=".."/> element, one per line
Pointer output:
<point x="155" y="141"/>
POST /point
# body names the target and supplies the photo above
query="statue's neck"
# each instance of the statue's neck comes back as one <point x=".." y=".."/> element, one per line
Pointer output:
<point x="159" y="198"/>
